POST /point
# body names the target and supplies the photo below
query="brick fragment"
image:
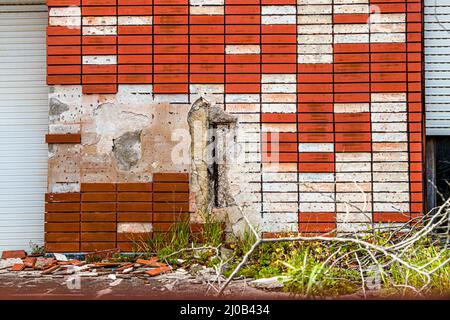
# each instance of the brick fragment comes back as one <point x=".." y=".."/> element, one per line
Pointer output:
<point x="50" y="270"/>
<point x="14" y="254"/>
<point x="152" y="262"/>
<point x="18" y="267"/>
<point x="29" y="262"/>
<point x="158" y="271"/>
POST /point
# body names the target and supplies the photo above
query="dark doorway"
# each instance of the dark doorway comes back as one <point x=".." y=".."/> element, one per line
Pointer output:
<point x="438" y="170"/>
<point x="438" y="174"/>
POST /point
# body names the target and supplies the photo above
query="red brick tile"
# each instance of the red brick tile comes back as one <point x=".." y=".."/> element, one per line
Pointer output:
<point x="7" y="254"/>
<point x="18" y="267"/>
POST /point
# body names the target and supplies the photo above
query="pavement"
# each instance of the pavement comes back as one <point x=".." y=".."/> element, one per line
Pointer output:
<point x="31" y="286"/>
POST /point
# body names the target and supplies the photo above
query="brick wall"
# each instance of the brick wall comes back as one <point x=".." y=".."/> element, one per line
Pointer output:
<point x="336" y="83"/>
<point x="115" y="215"/>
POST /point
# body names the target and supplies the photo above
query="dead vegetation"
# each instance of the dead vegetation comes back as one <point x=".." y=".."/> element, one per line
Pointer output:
<point x="400" y="261"/>
<point x="407" y="260"/>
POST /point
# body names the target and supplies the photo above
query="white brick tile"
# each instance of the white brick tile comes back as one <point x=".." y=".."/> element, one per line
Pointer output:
<point x="314" y="58"/>
<point x="351" y="28"/>
<point x="206" y="2"/>
<point x="315" y="147"/>
<point x="314" y="2"/>
<point x="390" y="207"/>
<point x="280" y="206"/>
<point x="315" y="49"/>
<point x="314" y="19"/>
<point x="278" y="10"/>
<point x="353" y="177"/>
<point x="353" y="187"/>
<point x="207" y="10"/>
<point x="279" y="127"/>
<point x="316" y="187"/>
<point x="315" y="39"/>
<point x="351" y="38"/>
<point x="353" y="197"/>
<point x="282" y="222"/>
<point x="391" y="197"/>
<point x="278" y="19"/>
<point x="351" y="107"/>
<point x="65" y="12"/>
<point x="279" y="177"/>
<point x="314" y="9"/>
<point x="353" y="157"/>
<point x="279" y="97"/>
<point x="316" y="197"/>
<point x="390" y="186"/>
<point x="100" y="31"/>
<point x="390" y="176"/>
<point x="390" y="136"/>
<point x="388" y="107"/>
<point x="243" y="49"/>
<point x="351" y="8"/>
<point x="351" y="2"/>
<point x="279" y="107"/>
<point x="315" y="29"/>
<point x="390" y="156"/>
<point x="316" y="207"/>
<point x="279" y="78"/>
<point x="74" y="22"/>
<point x="389" y="146"/>
<point x="388" y="97"/>
<point x="242" y="107"/>
<point x="99" y="21"/>
<point x="242" y="98"/>
<point x="132" y="227"/>
<point x="390" y="166"/>
<point x="279" y="167"/>
<point x="387" y="27"/>
<point x="248" y="117"/>
<point x="387" y="37"/>
<point x="279" y="187"/>
<point x="280" y="197"/>
<point x="174" y="98"/>
<point x="389" y="127"/>
<point x="388" y="117"/>
<point x="353" y="218"/>
<point x="387" y="18"/>
<point x="353" y="227"/>
<point x="353" y="166"/>
<point x="316" y="177"/>
<point x="357" y="207"/>
<point x="135" y="20"/>
<point x="100" y="60"/>
<point x="279" y="88"/>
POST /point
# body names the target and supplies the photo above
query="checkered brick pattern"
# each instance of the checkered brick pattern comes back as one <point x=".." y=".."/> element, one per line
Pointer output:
<point x="335" y="83"/>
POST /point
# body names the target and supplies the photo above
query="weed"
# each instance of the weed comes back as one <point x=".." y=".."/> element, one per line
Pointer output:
<point x="164" y="244"/>
<point x="37" y="249"/>
<point x="212" y="232"/>
<point x="243" y="243"/>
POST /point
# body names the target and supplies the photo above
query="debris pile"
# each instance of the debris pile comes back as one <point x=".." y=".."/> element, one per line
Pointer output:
<point x="94" y="264"/>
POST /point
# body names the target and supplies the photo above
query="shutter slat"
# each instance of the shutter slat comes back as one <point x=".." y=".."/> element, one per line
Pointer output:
<point x="23" y="124"/>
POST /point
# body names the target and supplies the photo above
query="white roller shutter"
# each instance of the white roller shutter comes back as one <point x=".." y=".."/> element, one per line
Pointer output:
<point x="23" y="125"/>
<point x="437" y="66"/>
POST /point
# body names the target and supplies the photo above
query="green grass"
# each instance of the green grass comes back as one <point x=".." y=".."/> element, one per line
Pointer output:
<point x="316" y="269"/>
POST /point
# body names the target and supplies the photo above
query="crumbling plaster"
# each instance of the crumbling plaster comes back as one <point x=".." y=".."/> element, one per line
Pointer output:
<point x="128" y="136"/>
<point x="124" y="137"/>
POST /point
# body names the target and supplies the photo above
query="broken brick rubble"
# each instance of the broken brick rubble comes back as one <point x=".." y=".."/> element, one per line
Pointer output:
<point x="21" y="254"/>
